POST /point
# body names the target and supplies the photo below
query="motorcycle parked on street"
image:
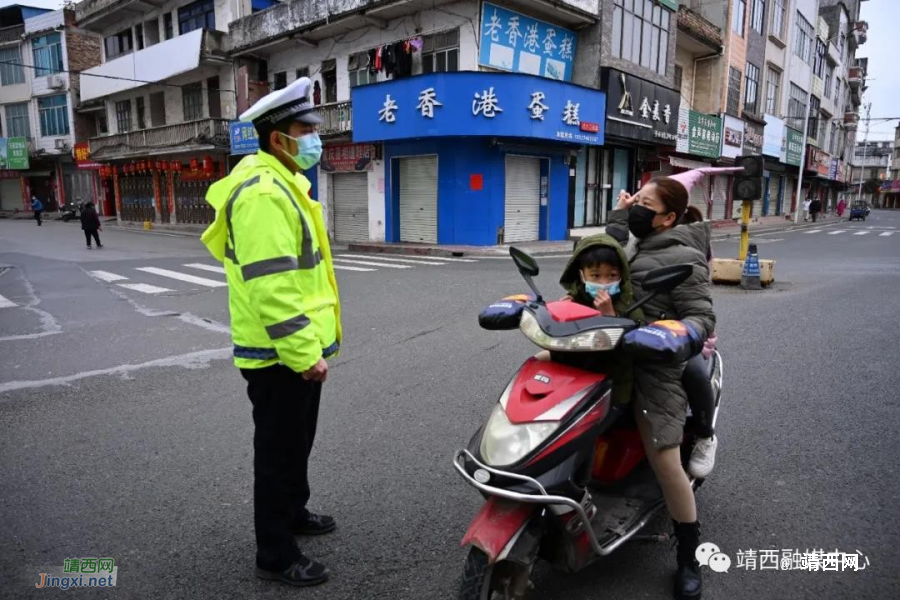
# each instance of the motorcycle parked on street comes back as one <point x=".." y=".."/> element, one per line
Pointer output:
<point x="561" y="467"/>
<point x="71" y="211"/>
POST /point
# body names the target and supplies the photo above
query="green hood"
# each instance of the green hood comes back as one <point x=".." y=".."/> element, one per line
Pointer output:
<point x="571" y="278"/>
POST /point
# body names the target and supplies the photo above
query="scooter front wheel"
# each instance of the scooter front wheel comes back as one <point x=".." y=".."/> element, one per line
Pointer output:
<point x="504" y="580"/>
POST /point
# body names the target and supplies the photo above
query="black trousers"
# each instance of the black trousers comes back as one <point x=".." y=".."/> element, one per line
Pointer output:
<point x="285" y="414"/>
<point x="37" y="216"/>
<point x="700" y="394"/>
<point x="91" y="232"/>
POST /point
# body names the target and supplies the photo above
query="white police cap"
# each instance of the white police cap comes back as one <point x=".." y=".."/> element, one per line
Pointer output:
<point x="292" y="102"/>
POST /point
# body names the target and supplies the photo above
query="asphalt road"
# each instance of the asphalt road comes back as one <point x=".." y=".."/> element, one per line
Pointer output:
<point x="125" y="431"/>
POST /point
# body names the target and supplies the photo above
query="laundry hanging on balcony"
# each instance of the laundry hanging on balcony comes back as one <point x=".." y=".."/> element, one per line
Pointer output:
<point x="394" y="60"/>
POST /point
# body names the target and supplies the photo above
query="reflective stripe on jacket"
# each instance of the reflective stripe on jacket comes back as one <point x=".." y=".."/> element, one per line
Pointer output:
<point x="282" y="293"/>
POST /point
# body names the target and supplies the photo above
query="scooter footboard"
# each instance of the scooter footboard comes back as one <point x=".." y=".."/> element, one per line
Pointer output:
<point x="497" y="526"/>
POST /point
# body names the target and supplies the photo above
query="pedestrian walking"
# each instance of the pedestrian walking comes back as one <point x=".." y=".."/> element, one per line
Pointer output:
<point x="90" y="224"/>
<point x="841" y="207"/>
<point x="806" y="204"/>
<point x="815" y="207"/>
<point x="285" y="318"/>
<point x="38" y="207"/>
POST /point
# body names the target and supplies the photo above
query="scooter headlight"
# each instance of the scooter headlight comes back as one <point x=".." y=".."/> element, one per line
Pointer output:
<point x="589" y="341"/>
<point x="504" y="443"/>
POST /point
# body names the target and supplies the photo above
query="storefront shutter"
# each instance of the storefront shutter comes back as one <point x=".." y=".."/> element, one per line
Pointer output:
<point x="418" y="199"/>
<point x="700" y="196"/>
<point x="788" y="194"/>
<point x="523" y="199"/>
<point x="350" y="197"/>
<point x="11" y="194"/>
<point x="719" y="197"/>
<point x="774" y="185"/>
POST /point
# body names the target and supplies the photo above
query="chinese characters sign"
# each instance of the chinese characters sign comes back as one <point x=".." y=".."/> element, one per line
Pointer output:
<point x="13" y="153"/>
<point x="639" y="109"/>
<point x="348" y="158"/>
<point x="753" y="138"/>
<point x="243" y="138"/>
<point x="470" y="103"/>
<point x="699" y="134"/>
<point x="819" y="161"/>
<point x="773" y="137"/>
<point x="82" y="154"/>
<point x="514" y="42"/>
<point x="732" y="136"/>
<point x="793" y="153"/>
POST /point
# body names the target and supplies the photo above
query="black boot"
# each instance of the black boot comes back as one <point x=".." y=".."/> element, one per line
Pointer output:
<point x="688" y="584"/>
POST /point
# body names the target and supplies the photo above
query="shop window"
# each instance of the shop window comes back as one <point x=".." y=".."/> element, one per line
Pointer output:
<point x="53" y="112"/>
<point x="641" y="33"/>
<point x="192" y="101"/>
<point x="358" y="69"/>
<point x="440" y="52"/>
<point x="773" y="85"/>
<point x="17" y="122"/>
<point x="47" y="51"/>
<point x="11" y="70"/>
<point x="751" y="89"/>
<point x="123" y="116"/>
<point x="197" y="15"/>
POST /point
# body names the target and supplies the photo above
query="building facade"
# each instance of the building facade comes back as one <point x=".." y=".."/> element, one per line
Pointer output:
<point x="161" y="103"/>
<point x="42" y="53"/>
<point x="871" y="167"/>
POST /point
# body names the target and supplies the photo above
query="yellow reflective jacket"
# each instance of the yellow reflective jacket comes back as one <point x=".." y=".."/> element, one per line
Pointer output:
<point x="282" y="293"/>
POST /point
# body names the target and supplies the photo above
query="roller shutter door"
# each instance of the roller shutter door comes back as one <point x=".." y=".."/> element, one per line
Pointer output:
<point x="699" y="196"/>
<point x="418" y="199"/>
<point x="350" y="197"/>
<point x="523" y="199"/>
<point x="774" y="186"/>
<point x="788" y="195"/>
<point x="11" y="194"/>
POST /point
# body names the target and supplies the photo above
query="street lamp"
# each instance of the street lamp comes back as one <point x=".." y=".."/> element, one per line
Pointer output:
<point x="812" y="74"/>
<point x="862" y="172"/>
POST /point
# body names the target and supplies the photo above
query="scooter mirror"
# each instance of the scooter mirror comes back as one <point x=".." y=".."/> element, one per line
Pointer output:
<point x="525" y="262"/>
<point x="666" y="279"/>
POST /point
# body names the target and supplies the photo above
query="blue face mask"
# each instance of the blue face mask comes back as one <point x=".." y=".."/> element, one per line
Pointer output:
<point x="610" y="288"/>
<point x="309" y="150"/>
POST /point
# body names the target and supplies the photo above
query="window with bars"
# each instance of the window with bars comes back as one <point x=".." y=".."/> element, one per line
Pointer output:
<point x="118" y="44"/>
<point x="829" y="74"/>
<point x="11" y="74"/>
<point x="641" y="33"/>
<point x="797" y="106"/>
<point x="440" y="54"/>
<point x="778" y="18"/>
<point x="803" y="38"/>
<point x="813" y="129"/>
<point x="17" y="122"/>
<point x="739" y="16"/>
<point x="53" y="112"/>
<point x="757" y="16"/>
<point x="819" y="60"/>
<point x="751" y="89"/>
<point x="773" y="85"/>
<point x="358" y="70"/>
<point x="192" y="101"/>
<point x="734" y="91"/>
<point x="47" y="51"/>
<point x="123" y="116"/>
<point x="197" y="15"/>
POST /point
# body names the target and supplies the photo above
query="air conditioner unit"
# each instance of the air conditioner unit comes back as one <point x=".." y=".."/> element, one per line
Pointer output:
<point x="56" y="82"/>
<point x="62" y="144"/>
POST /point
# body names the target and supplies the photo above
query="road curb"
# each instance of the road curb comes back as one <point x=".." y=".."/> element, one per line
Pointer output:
<point x="799" y="227"/>
<point x="488" y="252"/>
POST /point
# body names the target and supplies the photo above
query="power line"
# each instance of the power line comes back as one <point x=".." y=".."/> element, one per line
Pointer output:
<point x="85" y="74"/>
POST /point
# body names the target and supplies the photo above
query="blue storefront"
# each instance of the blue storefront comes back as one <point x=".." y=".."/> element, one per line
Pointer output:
<point x="477" y="158"/>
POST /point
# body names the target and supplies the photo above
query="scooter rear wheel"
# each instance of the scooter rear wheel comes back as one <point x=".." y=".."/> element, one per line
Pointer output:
<point x="503" y="580"/>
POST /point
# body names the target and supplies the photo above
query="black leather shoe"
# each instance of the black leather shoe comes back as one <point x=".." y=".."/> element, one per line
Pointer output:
<point x="305" y="572"/>
<point x="315" y="525"/>
<point x="688" y="580"/>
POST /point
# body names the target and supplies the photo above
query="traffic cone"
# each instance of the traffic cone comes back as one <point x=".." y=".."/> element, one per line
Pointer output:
<point x="751" y="277"/>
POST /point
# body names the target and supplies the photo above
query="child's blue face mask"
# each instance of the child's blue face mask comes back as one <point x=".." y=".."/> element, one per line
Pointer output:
<point x="610" y="288"/>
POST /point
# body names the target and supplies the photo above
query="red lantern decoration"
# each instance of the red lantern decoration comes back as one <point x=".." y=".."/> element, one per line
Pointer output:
<point x="194" y="164"/>
<point x="176" y="166"/>
<point x="126" y="169"/>
<point x="208" y="165"/>
<point x="142" y="166"/>
<point x="159" y="166"/>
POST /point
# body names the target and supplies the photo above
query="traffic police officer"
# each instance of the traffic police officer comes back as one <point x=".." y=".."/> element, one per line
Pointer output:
<point x="285" y="318"/>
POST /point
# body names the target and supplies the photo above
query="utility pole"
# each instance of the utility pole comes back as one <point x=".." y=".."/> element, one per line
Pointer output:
<point x="862" y="173"/>
<point x="809" y="86"/>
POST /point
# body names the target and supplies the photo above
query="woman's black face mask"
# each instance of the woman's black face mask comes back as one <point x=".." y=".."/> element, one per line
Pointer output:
<point x="640" y="220"/>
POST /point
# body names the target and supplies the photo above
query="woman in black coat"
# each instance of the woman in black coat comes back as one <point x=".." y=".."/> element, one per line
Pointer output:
<point x="90" y="223"/>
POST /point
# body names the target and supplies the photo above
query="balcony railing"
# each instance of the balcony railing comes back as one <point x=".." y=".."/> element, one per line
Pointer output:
<point x="12" y="34"/>
<point x="158" y="140"/>
<point x="336" y="118"/>
<point x="854" y="76"/>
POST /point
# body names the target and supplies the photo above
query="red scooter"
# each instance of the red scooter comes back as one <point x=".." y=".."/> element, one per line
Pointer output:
<point x="562" y="468"/>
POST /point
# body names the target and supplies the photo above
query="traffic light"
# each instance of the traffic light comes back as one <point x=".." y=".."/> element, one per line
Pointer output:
<point x="748" y="183"/>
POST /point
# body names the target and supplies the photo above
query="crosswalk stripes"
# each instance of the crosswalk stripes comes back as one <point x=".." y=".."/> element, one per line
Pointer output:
<point x="813" y="231"/>
<point x="210" y="268"/>
<point x="183" y="277"/>
<point x="6" y="303"/>
<point x="410" y="261"/>
<point x="837" y="231"/>
<point x="372" y="264"/>
<point x="144" y="288"/>
<point x="886" y="234"/>
<point x="106" y="276"/>
<point x="854" y="232"/>
<point x="862" y="233"/>
<point x="349" y="268"/>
